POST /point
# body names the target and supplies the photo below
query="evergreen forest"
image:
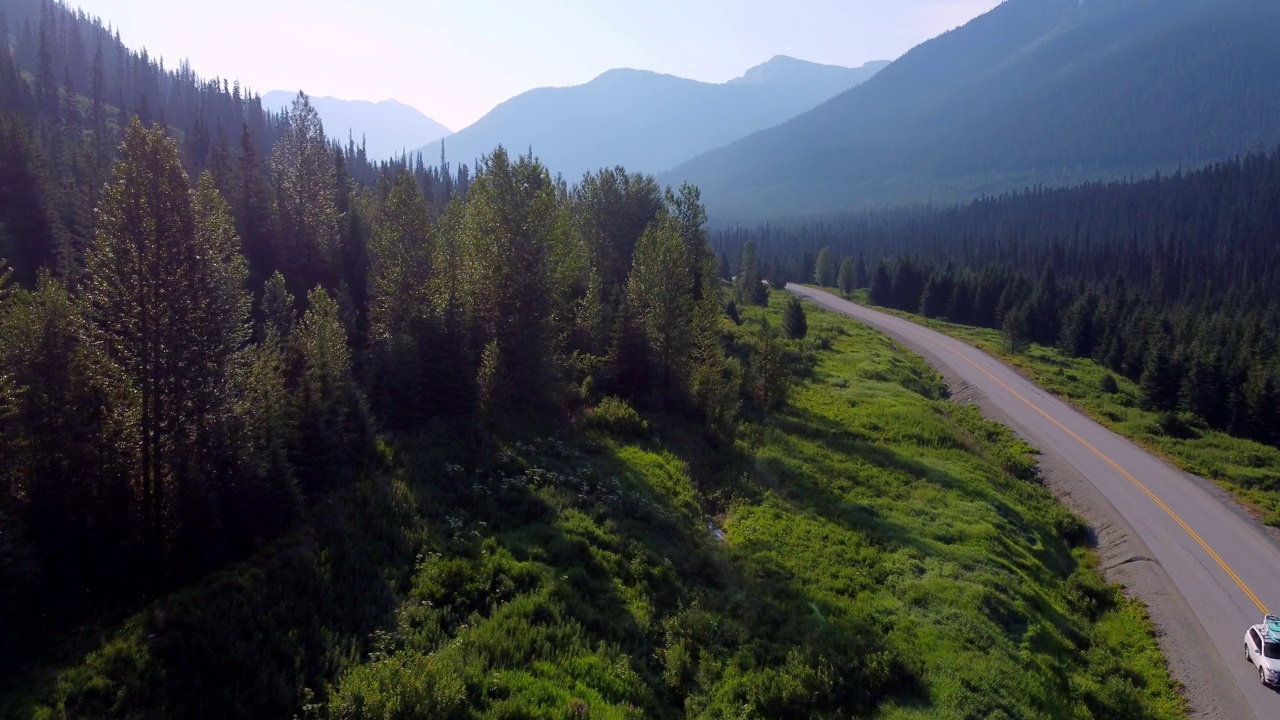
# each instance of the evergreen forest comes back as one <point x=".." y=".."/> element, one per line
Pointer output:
<point x="210" y="312"/>
<point x="1170" y="281"/>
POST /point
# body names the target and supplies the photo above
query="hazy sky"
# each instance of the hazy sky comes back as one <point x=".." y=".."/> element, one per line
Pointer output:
<point x="455" y="60"/>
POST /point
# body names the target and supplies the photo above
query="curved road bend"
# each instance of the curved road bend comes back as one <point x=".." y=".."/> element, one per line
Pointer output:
<point x="1220" y="562"/>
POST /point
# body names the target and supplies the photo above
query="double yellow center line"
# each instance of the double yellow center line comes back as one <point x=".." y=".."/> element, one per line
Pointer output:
<point x="1194" y="535"/>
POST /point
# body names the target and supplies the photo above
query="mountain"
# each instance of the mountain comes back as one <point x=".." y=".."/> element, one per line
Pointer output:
<point x="647" y="121"/>
<point x="389" y="127"/>
<point x="1033" y="92"/>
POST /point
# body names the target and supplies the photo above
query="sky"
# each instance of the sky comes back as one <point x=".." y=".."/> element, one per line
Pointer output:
<point x="456" y="60"/>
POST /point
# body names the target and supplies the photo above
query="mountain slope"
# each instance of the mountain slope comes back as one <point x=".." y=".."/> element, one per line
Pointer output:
<point x="1036" y="91"/>
<point x="389" y="127"/>
<point x="647" y="121"/>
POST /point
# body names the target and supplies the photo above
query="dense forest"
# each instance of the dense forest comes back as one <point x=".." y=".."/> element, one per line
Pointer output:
<point x="1170" y="281"/>
<point x="210" y="312"/>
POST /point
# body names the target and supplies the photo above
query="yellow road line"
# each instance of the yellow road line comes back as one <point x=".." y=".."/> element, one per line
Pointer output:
<point x="1194" y="536"/>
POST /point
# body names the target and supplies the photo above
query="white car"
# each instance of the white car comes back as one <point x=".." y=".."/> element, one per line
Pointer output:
<point x="1262" y="648"/>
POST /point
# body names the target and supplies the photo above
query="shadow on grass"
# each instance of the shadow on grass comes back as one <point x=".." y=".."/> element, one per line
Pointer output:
<point x="245" y="641"/>
<point x="1024" y="545"/>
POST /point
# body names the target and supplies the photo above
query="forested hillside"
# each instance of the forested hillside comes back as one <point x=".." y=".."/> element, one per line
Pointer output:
<point x="199" y="337"/>
<point x="1034" y="92"/>
<point x="1171" y="282"/>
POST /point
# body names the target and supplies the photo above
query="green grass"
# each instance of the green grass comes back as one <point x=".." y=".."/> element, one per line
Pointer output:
<point x="1249" y="470"/>
<point x="870" y="550"/>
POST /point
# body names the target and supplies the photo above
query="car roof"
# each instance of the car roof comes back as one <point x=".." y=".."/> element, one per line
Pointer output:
<point x="1264" y="635"/>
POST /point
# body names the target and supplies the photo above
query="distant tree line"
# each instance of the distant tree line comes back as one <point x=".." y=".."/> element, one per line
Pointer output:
<point x="208" y="312"/>
<point x="1170" y="281"/>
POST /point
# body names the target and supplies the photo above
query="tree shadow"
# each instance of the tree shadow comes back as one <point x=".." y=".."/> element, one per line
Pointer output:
<point x="1022" y="546"/>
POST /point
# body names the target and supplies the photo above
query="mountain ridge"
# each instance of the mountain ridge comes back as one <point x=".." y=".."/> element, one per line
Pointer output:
<point x="1035" y="91"/>
<point x="388" y="127"/>
<point x="646" y="120"/>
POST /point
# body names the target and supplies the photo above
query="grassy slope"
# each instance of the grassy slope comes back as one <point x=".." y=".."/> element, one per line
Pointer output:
<point x="1248" y="469"/>
<point x="884" y="553"/>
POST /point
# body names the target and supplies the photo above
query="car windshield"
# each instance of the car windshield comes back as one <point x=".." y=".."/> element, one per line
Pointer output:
<point x="1271" y="650"/>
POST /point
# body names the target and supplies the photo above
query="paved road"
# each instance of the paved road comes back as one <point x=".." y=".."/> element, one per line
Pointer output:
<point x="1204" y="549"/>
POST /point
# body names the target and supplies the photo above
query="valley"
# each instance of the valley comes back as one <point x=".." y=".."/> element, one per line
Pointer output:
<point x="944" y="385"/>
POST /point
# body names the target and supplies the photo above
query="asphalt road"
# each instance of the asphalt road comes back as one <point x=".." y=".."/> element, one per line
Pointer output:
<point x="1179" y="533"/>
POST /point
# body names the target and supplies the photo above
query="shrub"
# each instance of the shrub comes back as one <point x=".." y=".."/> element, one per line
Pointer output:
<point x="1068" y="526"/>
<point x="616" y="416"/>
<point x="1181" y="426"/>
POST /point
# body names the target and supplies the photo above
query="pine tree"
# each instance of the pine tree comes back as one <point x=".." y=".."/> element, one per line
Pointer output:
<point x="794" y="321"/>
<point x="847" y="279"/>
<point x="658" y="296"/>
<point x="824" y="271"/>
<point x="881" y="290"/>
<point x="60" y="457"/>
<point x="860" y="274"/>
<point x="1159" y="381"/>
<point x="46" y="80"/>
<point x="935" y="296"/>
<point x="748" y="289"/>
<point x="611" y="210"/>
<point x="1078" y="336"/>
<point x="510" y="225"/>
<point x="731" y="312"/>
<point x="691" y="219"/>
<point x="333" y="431"/>
<point x="400" y="310"/>
<point x="265" y="495"/>
<point x="1016" y="330"/>
<point x="777" y="275"/>
<point x="1202" y="392"/>
<point x="30" y="235"/>
<point x="167" y="312"/>
<point x="767" y="377"/>
<point x="253" y="211"/>
<point x="1262" y="403"/>
<point x="278" y="307"/>
<point x="960" y="307"/>
<point x="306" y="199"/>
<point x="98" y="112"/>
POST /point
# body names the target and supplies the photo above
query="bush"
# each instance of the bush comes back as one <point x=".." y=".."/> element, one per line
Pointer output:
<point x="1068" y="526"/>
<point x="616" y="416"/>
<point x="1109" y="385"/>
<point x="1181" y="426"/>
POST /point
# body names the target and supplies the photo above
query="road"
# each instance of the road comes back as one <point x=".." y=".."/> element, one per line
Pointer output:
<point x="1205" y="568"/>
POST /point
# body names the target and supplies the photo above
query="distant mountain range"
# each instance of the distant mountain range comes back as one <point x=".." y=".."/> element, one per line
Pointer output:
<point x="647" y="121"/>
<point x="1033" y="92"/>
<point x="388" y="127"/>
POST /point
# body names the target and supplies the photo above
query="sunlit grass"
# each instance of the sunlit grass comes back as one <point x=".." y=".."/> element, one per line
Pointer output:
<point x="1248" y="469"/>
